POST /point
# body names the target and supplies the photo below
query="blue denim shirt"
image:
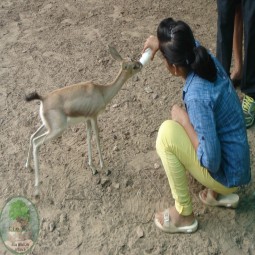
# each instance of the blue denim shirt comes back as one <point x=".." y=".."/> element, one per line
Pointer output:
<point x="216" y="114"/>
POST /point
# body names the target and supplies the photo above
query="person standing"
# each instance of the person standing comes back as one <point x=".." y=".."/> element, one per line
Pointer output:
<point x="225" y="31"/>
<point x="236" y="72"/>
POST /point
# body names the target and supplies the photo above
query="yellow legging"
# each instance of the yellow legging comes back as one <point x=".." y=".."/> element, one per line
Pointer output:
<point x="178" y="155"/>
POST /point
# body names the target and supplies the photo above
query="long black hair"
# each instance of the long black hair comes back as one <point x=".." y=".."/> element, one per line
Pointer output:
<point x="178" y="46"/>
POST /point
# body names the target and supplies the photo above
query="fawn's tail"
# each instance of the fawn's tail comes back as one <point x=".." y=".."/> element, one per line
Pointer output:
<point x="33" y="96"/>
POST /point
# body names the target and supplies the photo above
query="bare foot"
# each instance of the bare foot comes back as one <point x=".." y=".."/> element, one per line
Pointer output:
<point x="177" y="219"/>
<point x="212" y="193"/>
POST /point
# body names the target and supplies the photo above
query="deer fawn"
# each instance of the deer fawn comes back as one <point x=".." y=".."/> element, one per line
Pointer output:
<point x="73" y="104"/>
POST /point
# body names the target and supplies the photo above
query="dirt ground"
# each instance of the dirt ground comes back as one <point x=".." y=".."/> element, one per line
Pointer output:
<point x="48" y="44"/>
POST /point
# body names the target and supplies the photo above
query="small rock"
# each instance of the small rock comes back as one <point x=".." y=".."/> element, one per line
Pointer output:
<point x="59" y="241"/>
<point x="67" y="22"/>
<point x="115" y="148"/>
<point x="148" y="90"/>
<point x="116" y="185"/>
<point x="155" y="96"/>
<point x="139" y="232"/>
<point x="52" y="226"/>
<point x="126" y="136"/>
<point x="128" y="182"/>
<point x="115" y="106"/>
<point x="149" y="249"/>
<point x="105" y="182"/>
<point x="109" y="189"/>
<point x="45" y="226"/>
<point x="98" y="181"/>
<point x="63" y="218"/>
<point x="156" y="166"/>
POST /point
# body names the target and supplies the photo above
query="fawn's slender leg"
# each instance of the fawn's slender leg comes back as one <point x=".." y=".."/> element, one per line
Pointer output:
<point x="37" y="133"/>
<point x="37" y="142"/>
<point x="96" y="131"/>
<point x="89" y="136"/>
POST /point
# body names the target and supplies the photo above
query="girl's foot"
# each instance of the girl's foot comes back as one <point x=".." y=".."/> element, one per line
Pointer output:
<point x="172" y="222"/>
<point x="212" y="198"/>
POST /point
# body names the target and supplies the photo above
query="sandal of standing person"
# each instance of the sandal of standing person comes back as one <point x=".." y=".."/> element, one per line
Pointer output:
<point x="229" y="201"/>
<point x="248" y="106"/>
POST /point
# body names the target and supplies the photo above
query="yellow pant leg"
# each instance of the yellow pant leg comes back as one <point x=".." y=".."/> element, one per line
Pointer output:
<point x="178" y="155"/>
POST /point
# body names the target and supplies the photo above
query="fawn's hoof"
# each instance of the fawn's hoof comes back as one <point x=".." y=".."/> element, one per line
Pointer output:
<point x="37" y="194"/>
<point x="94" y="172"/>
<point x="108" y="172"/>
<point x="29" y="167"/>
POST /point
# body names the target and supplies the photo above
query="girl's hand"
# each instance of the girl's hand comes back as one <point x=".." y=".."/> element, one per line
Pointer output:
<point x="152" y="43"/>
<point x="180" y="115"/>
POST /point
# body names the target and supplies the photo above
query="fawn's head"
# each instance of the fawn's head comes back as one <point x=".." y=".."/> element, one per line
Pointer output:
<point x="128" y="65"/>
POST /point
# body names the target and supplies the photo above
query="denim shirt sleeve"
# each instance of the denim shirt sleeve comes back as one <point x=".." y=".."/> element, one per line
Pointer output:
<point x="202" y="118"/>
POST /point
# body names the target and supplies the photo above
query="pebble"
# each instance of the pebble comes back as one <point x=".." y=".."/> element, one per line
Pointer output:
<point x="156" y="166"/>
<point x="155" y="96"/>
<point x="128" y="182"/>
<point x="59" y="241"/>
<point x="149" y="249"/>
<point x="67" y="22"/>
<point x="98" y="180"/>
<point x="115" y="148"/>
<point x="105" y="182"/>
<point x="63" y="218"/>
<point x="51" y="226"/>
<point x="116" y="185"/>
<point x="139" y="232"/>
<point x="148" y="90"/>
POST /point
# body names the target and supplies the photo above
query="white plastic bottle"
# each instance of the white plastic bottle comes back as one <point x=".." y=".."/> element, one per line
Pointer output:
<point x="146" y="57"/>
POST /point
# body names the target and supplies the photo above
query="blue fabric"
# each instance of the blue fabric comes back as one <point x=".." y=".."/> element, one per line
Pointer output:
<point x="215" y="112"/>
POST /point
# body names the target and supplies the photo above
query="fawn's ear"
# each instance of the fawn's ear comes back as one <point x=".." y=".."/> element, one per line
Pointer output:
<point x="115" y="54"/>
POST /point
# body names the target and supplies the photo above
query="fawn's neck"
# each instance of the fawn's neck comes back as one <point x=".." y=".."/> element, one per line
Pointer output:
<point x="113" y="88"/>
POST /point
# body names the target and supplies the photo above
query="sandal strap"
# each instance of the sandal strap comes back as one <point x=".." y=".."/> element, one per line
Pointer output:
<point x="166" y="218"/>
